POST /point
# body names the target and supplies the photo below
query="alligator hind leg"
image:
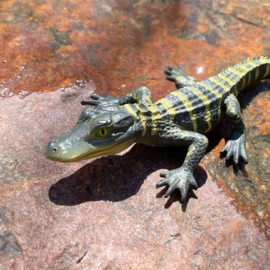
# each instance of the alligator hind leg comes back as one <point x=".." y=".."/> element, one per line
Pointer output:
<point x="236" y="145"/>
<point x="179" y="76"/>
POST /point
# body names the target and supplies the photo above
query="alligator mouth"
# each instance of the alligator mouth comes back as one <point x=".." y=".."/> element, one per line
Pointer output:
<point x="95" y="153"/>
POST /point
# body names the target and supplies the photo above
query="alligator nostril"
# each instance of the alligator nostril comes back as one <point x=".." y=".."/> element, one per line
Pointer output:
<point x="53" y="147"/>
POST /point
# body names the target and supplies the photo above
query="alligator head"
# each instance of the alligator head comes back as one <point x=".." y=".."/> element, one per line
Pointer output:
<point x="102" y="129"/>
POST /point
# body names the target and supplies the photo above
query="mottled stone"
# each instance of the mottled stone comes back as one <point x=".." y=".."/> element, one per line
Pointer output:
<point x="106" y="213"/>
<point x="120" y="45"/>
<point x="250" y="186"/>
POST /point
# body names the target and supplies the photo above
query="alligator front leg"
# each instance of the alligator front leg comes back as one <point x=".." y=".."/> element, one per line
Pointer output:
<point x="182" y="177"/>
<point x="140" y="95"/>
<point x="236" y="145"/>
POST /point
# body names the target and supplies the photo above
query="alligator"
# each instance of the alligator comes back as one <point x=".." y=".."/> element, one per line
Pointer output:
<point x="108" y="125"/>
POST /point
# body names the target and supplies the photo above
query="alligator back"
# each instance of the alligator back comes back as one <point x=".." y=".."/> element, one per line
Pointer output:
<point x="200" y="106"/>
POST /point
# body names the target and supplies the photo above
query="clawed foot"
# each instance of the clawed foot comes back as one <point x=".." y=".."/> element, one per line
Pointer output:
<point x="97" y="100"/>
<point x="178" y="76"/>
<point x="172" y="73"/>
<point x="178" y="179"/>
<point x="236" y="148"/>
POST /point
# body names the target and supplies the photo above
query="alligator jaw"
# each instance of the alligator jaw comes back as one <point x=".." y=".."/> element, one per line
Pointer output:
<point x="57" y="152"/>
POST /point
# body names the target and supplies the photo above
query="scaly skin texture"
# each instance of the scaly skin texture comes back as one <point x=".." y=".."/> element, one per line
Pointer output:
<point x="109" y="125"/>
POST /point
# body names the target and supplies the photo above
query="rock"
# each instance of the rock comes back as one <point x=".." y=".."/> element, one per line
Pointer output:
<point x="107" y="213"/>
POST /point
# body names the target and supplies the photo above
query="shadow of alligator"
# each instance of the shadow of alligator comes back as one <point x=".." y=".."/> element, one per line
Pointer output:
<point x="116" y="178"/>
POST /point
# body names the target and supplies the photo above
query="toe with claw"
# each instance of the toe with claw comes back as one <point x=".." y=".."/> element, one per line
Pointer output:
<point x="178" y="179"/>
<point x="236" y="148"/>
<point x="178" y="76"/>
<point x="172" y="73"/>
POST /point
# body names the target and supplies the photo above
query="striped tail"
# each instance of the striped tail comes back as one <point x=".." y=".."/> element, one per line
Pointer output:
<point x="245" y="73"/>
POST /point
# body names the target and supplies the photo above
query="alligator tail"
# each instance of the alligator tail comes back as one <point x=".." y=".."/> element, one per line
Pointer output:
<point x="239" y="76"/>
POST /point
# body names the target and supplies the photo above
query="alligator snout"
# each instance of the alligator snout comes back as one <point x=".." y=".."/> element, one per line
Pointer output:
<point x="52" y="150"/>
<point x="52" y="147"/>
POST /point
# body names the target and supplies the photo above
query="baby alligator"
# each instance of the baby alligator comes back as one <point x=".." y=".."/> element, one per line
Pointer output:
<point x="109" y="125"/>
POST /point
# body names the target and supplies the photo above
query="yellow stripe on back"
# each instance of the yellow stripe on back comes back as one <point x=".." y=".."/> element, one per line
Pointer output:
<point x="206" y="103"/>
<point x="129" y="109"/>
<point x="219" y="83"/>
<point x="215" y="92"/>
<point x="242" y="75"/>
<point x="188" y="107"/>
<point x="249" y="61"/>
<point x="143" y="119"/>
<point x="262" y="59"/>
<point x="155" y="116"/>
<point x="267" y="71"/>
<point x="168" y="107"/>
<point x="239" y="73"/>
<point x="226" y="79"/>
<point x="226" y="88"/>
<point x="248" y="72"/>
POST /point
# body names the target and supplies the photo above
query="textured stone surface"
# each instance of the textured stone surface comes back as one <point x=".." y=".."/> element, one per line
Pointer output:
<point x="250" y="186"/>
<point x="106" y="213"/>
<point x="121" y="44"/>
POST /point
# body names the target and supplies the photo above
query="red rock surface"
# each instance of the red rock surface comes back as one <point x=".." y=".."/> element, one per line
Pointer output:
<point x="121" y="44"/>
<point x="106" y="213"/>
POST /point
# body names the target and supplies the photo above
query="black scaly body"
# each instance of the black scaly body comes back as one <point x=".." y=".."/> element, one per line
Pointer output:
<point x="181" y="118"/>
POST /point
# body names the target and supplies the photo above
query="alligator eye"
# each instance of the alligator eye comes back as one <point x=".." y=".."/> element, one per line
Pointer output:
<point x="102" y="132"/>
